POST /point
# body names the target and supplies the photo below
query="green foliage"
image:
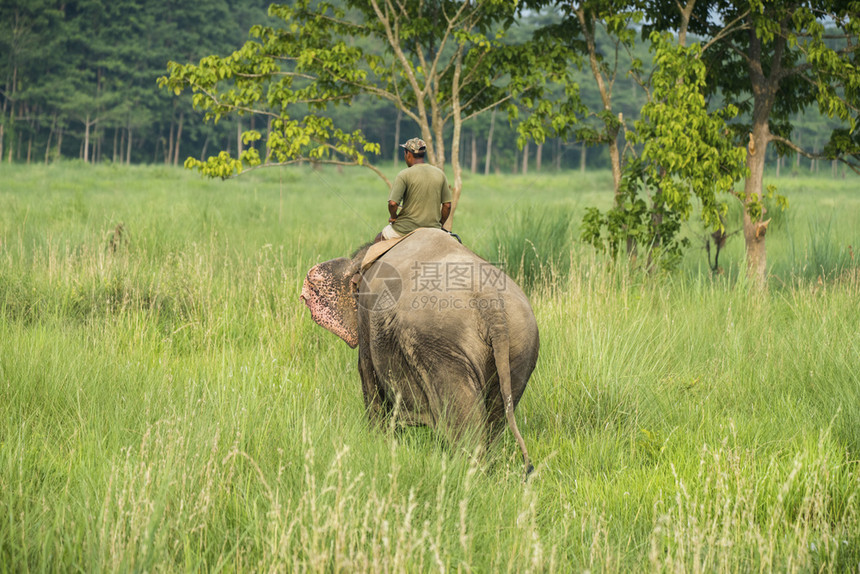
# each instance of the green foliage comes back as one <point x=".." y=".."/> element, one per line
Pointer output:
<point x="634" y="225"/>
<point x="685" y="147"/>
<point x="596" y="34"/>
<point x="87" y="66"/>
<point x="436" y="70"/>
<point x="533" y="245"/>
<point x="685" y="154"/>
<point x="74" y="57"/>
<point x="806" y="56"/>
<point x="843" y="142"/>
<point x="252" y="78"/>
<point x="755" y="204"/>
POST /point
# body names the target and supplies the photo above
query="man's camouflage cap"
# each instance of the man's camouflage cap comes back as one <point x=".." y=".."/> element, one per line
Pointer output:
<point x="415" y="145"/>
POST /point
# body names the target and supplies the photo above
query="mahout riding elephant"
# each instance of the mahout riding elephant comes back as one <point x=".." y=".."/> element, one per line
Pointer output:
<point x="444" y="338"/>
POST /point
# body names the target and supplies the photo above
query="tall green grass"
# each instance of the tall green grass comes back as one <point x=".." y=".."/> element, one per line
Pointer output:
<point x="816" y="236"/>
<point x="533" y="246"/>
<point x="166" y="403"/>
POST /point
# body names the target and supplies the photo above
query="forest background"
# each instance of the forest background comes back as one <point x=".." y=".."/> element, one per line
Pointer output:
<point x="78" y="80"/>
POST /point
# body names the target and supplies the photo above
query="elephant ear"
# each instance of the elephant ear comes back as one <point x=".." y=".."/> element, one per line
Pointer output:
<point x="328" y="292"/>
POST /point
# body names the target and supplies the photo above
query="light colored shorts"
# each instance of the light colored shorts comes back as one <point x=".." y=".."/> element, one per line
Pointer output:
<point x="389" y="233"/>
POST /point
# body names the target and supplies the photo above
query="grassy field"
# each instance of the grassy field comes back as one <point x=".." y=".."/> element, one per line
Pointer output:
<point x="166" y="402"/>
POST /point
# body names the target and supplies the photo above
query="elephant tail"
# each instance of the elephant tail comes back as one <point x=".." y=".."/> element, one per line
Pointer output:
<point x="500" y="342"/>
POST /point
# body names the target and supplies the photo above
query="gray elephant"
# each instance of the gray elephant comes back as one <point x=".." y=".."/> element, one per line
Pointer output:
<point x="444" y="338"/>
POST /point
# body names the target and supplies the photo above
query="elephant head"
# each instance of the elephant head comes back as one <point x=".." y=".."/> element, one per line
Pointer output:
<point x="329" y="293"/>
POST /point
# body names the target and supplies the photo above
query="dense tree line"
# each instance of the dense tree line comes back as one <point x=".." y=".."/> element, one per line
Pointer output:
<point x="78" y="77"/>
<point x="78" y="80"/>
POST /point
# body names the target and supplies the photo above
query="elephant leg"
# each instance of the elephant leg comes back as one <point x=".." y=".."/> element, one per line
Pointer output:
<point x="496" y="421"/>
<point x="374" y="403"/>
<point x="406" y="418"/>
<point x="464" y="420"/>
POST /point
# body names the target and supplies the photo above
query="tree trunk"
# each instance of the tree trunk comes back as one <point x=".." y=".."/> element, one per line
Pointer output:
<point x="238" y="139"/>
<point x="764" y="87"/>
<point x="86" y="149"/>
<point x="582" y="158"/>
<point x="2" y="131"/>
<point x="97" y="145"/>
<point x="50" y="136"/>
<point x="128" y="152"/>
<point x="538" y="156"/>
<point x="178" y="139"/>
<point x="457" y="115"/>
<point x="10" y="96"/>
<point x="168" y="149"/>
<point x="115" y="144"/>
<point x="462" y="158"/>
<point x="490" y="142"/>
<point x="397" y="136"/>
<point x="205" y="146"/>
<point x="526" y="158"/>
<point x="457" y="186"/>
<point x="29" y="148"/>
<point x="268" y="150"/>
<point x="755" y="231"/>
<point x="474" y="153"/>
<point x="615" y="159"/>
<point x="439" y="144"/>
<point x="97" y="135"/>
<point x="605" y="88"/>
<point x="60" y="143"/>
<point x="557" y="159"/>
<point x="435" y="130"/>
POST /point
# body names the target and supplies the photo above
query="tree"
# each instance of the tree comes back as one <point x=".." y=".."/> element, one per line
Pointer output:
<point x="676" y="150"/>
<point x="87" y="69"/>
<point x="28" y="31"/>
<point x="444" y="63"/>
<point x="684" y="153"/>
<point x="773" y="60"/>
<point x="86" y="81"/>
<point x="584" y="19"/>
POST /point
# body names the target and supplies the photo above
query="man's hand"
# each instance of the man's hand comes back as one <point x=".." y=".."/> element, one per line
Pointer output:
<point x="446" y="211"/>
<point x="392" y="219"/>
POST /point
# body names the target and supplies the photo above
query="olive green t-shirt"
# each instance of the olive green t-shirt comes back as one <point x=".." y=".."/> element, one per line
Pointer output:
<point x="420" y="190"/>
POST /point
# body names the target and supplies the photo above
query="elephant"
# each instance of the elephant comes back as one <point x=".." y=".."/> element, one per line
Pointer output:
<point x="445" y="339"/>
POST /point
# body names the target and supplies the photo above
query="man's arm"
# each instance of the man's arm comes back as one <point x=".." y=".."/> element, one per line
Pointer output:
<point x="446" y="211"/>
<point x="392" y="211"/>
